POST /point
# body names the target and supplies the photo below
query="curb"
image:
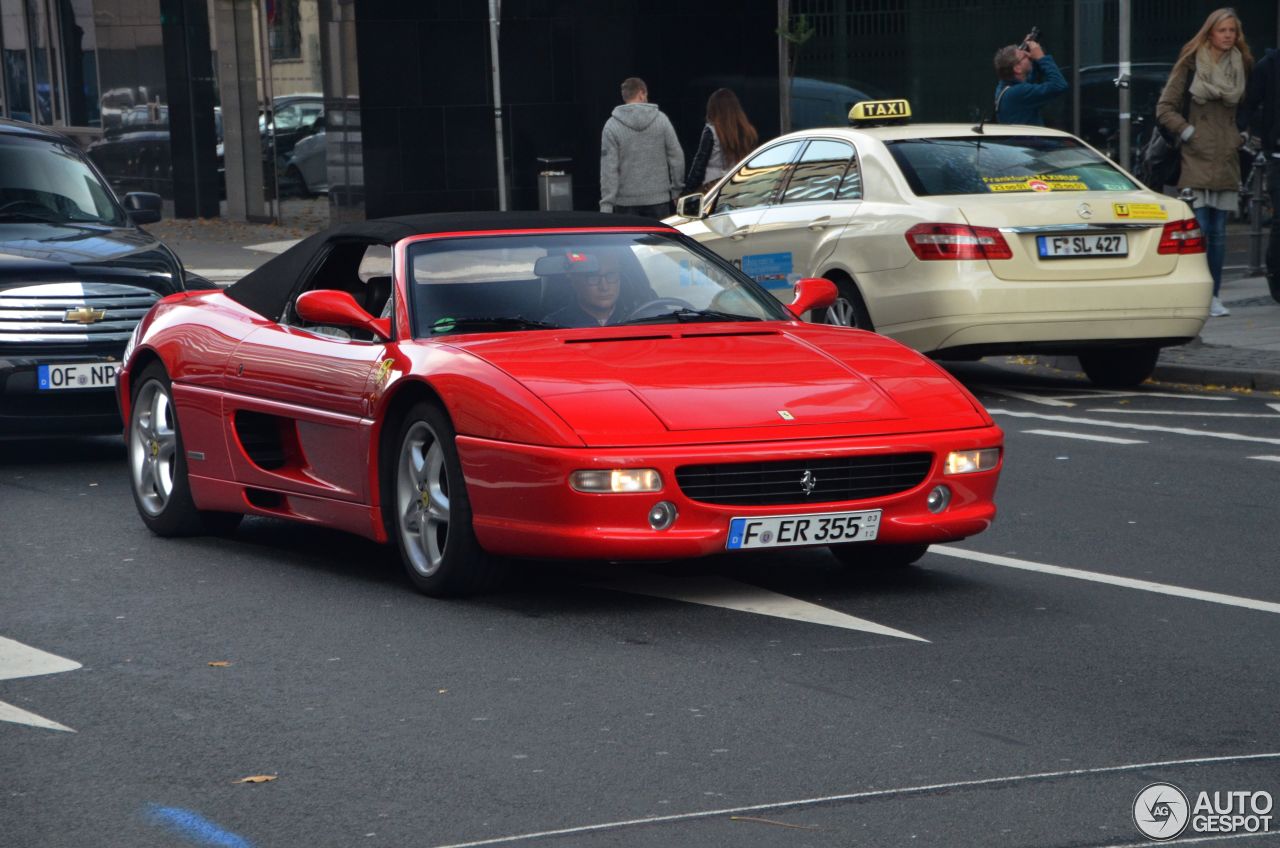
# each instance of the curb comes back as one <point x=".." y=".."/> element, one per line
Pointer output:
<point x="1210" y="375"/>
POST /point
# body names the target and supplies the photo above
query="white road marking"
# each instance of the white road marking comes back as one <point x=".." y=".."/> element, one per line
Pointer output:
<point x="1088" y="438"/>
<point x="273" y="246"/>
<point x="858" y="796"/>
<point x="1267" y="458"/>
<point x="1110" y="579"/>
<point x="721" y="592"/>
<point x="19" y="660"/>
<point x="1182" y="431"/>
<point x="8" y="712"/>
<point x="1041" y="399"/>
<point x="220" y="273"/>
<point x="1195" y="840"/>
<point x="1275" y="406"/>
<point x="1177" y="412"/>
<point x="1094" y="394"/>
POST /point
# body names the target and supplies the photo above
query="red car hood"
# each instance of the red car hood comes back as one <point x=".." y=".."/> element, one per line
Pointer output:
<point x="641" y="382"/>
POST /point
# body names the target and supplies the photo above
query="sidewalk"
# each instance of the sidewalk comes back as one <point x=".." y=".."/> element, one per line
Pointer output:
<point x="1240" y="350"/>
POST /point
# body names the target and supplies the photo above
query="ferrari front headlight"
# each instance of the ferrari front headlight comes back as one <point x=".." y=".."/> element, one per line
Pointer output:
<point x="610" y="480"/>
<point x="969" y="461"/>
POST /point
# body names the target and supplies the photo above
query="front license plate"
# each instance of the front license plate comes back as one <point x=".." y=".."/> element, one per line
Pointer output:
<point x="1076" y="247"/>
<point x="77" y="375"/>
<point x="823" y="528"/>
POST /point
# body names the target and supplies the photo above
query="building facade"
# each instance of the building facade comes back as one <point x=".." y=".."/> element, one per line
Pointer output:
<point x="306" y="111"/>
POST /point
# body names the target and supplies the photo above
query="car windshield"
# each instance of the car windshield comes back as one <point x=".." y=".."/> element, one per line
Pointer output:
<point x="43" y="181"/>
<point x="558" y="280"/>
<point x="1002" y="164"/>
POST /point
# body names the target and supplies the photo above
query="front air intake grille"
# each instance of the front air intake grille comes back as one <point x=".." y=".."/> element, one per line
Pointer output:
<point x="800" y="482"/>
<point x="72" y="313"/>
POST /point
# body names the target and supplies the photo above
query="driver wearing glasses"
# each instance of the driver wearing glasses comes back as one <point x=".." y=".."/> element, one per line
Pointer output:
<point x="595" y="296"/>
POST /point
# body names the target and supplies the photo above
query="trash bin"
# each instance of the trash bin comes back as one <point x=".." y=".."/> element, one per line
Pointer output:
<point x="555" y="183"/>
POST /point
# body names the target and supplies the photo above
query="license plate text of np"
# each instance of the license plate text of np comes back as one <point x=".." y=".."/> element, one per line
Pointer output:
<point x="1074" y="247"/>
<point x="77" y="375"/>
<point x="824" y="528"/>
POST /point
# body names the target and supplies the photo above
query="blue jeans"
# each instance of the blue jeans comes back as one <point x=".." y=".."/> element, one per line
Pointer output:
<point x="1213" y="223"/>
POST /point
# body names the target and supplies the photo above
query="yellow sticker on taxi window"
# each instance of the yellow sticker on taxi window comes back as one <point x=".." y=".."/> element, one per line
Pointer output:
<point x="1036" y="182"/>
<point x="1141" y="210"/>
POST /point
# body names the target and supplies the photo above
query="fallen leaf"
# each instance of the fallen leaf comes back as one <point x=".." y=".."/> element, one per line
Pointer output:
<point x="256" y="778"/>
<point x="220" y="664"/>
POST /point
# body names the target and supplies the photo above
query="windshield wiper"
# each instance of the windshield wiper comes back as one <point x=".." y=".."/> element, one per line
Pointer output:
<point x="686" y="315"/>
<point x="501" y="322"/>
<point x="26" y="216"/>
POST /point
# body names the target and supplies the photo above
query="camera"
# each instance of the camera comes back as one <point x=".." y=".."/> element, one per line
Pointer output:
<point x="1034" y="35"/>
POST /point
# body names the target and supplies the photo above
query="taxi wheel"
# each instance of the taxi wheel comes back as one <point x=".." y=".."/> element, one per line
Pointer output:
<point x="867" y="555"/>
<point x="1119" y="368"/>
<point x="848" y="309"/>
<point x="158" y="463"/>
<point x="431" y="518"/>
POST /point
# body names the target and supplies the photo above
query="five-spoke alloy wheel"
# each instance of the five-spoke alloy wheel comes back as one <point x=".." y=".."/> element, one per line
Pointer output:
<point x="431" y="523"/>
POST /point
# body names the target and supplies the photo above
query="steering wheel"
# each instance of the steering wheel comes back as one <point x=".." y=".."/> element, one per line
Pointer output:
<point x="657" y="306"/>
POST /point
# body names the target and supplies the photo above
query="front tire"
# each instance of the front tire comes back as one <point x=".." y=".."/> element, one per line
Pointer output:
<point x="431" y="519"/>
<point x="870" y="555"/>
<point x="1119" y="368"/>
<point x="158" y="463"/>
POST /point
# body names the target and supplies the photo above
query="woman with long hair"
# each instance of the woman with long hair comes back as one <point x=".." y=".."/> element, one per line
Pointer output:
<point x="1199" y="107"/>
<point x="726" y="139"/>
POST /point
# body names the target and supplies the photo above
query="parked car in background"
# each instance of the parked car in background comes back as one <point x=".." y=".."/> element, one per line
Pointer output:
<point x="76" y="275"/>
<point x="307" y="172"/>
<point x="966" y="241"/>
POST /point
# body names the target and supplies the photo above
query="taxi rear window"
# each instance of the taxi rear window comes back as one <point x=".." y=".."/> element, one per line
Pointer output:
<point x="1004" y="164"/>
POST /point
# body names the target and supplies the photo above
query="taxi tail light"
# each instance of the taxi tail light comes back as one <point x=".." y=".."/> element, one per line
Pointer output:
<point x="957" y="241"/>
<point x="1182" y="237"/>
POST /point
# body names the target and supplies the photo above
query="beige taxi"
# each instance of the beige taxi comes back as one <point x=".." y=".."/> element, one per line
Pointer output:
<point x="966" y="241"/>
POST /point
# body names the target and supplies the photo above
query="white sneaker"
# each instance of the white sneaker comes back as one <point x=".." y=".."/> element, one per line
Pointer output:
<point x="1217" y="310"/>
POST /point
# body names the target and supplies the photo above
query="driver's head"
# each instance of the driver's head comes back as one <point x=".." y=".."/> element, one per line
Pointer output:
<point x="597" y="292"/>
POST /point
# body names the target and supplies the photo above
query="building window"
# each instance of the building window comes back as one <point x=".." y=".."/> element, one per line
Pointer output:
<point x="284" y="31"/>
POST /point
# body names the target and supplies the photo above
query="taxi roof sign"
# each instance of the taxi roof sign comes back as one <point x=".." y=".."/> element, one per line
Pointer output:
<point x="880" y="112"/>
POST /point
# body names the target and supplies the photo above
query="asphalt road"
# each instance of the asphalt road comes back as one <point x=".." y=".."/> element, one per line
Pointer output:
<point x="1118" y="627"/>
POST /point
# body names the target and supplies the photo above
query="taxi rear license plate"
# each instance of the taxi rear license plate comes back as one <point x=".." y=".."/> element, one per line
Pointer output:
<point x="822" y="528"/>
<point x="1078" y="247"/>
<point x="77" y="375"/>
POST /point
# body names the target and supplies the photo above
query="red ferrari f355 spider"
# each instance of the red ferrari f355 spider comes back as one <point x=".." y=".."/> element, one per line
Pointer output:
<point x="481" y="386"/>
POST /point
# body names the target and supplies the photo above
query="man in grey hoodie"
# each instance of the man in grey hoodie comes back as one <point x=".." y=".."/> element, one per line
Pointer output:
<point x="641" y="163"/>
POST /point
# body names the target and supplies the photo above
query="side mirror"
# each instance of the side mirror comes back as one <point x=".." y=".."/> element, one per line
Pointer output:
<point x="338" y="309"/>
<point x="143" y="206"/>
<point x="812" y="293"/>
<point x="689" y="206"/>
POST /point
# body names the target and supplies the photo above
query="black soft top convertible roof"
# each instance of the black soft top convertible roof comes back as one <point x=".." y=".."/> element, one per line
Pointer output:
<point x="266" y="290"/>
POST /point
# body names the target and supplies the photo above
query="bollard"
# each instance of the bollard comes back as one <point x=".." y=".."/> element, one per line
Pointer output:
<point x="1256" y="186"/>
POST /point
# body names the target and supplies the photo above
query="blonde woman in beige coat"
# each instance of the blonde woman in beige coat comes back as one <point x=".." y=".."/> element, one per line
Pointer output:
<point x="1216" y="62"/>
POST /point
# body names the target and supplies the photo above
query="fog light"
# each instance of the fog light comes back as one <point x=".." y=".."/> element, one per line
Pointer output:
<point x="663" y="515"/>
<point x="969" y="461"/>
<point x="616" y="480"/>
<point x="939" y="498"/>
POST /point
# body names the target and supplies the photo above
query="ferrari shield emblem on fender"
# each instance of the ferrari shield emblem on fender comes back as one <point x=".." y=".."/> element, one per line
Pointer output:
<point x="384" y="371"/>
<point x="786" y="416"/>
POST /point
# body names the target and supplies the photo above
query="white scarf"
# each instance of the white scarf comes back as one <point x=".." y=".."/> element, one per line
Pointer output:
<point x="1222" y="80"/>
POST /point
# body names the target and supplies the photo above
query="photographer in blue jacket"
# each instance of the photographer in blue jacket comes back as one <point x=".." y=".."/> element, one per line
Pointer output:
<point x="1029" y="78"/>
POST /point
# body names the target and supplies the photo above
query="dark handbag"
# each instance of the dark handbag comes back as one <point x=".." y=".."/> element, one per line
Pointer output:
<point x="1160" y="163"/>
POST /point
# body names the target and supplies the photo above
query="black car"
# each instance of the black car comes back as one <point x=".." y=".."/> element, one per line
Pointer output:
<point x="76" y="275"/>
